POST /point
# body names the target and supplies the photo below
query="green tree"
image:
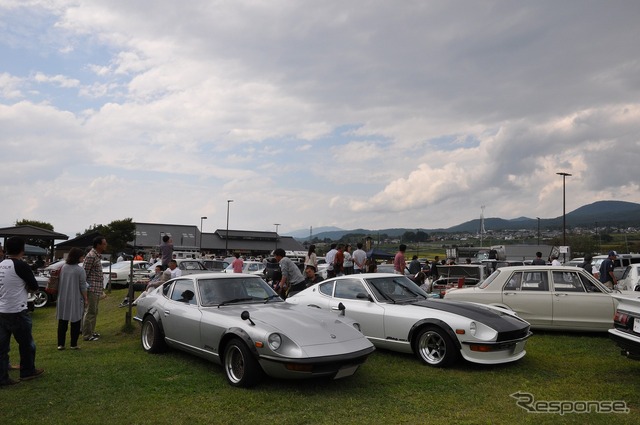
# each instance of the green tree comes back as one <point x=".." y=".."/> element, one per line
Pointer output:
<point x="42" y="243"/>
<point x="118" y="234"/>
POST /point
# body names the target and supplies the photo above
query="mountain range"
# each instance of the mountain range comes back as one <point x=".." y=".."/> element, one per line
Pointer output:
<point x="603" y="213"/>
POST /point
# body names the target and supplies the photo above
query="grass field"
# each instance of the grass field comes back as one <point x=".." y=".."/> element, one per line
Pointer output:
<point x="113" y="381"/>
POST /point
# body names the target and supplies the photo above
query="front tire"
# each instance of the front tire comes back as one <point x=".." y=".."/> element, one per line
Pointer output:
<point x="41" y="298"/>
<point x="435" y="347"/>
<point x="152" y="337"/>
<point x="240" y="367"/>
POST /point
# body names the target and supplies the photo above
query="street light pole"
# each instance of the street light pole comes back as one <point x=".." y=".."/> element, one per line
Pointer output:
<point x="538" y="230"/>
<point x="564" y="210"/>
<point x="226" y="239"/>
<point x="276" y="224"/>
<point x="201" y="218"/>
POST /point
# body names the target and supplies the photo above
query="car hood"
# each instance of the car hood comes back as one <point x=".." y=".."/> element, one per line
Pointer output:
<point x="500" y="321"/>
<point x="312" y="326"/>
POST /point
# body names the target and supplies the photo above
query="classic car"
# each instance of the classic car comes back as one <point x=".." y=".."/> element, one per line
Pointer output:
<point x="395" y="314"/>
<point x="214" y="265"/>
<point x="120" y="273"/>
<point x="238" y="321"/>
<point x="626" y="322"/>
<point x="186" y="265"/>
<point x="249" y="267"/>
<point x="548" y="297"/>
<point x="630" y="279"/>
<point x="458" y="275"/>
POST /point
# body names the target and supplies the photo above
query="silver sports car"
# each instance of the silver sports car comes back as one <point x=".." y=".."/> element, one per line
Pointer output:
<point x="395" y="314"/>
<point x="238" y="321"/>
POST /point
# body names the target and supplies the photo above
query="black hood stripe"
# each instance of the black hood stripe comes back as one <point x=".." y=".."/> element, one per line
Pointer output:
<point x="501" y="322"/>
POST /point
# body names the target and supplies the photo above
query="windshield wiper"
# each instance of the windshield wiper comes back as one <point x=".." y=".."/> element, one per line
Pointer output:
<point x="235" y="300"/>
<point x="270" y="297"/>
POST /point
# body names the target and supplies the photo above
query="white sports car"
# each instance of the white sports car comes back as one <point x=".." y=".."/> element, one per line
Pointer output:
<point x="395" y="314"/>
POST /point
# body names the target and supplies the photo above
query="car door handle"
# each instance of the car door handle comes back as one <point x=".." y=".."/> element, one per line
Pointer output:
<point x="509" y="293"/>
<point x="167" y="313"/>
<point x="560" y="294"/>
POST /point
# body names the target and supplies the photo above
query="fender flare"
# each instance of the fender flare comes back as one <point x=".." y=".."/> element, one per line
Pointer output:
<point x="435" y="322"/>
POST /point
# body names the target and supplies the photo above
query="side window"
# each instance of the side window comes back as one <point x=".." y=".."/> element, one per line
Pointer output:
<point x="514" y="283"/>
<point x="535" y="281"/>
<point x="567" y="282"/>
<point x="166" y="289"/>
<point x="184" y="292"/>
<point x="349" y="289"/>
<point x="326" y="288"/>
<point x="589" y="285"/>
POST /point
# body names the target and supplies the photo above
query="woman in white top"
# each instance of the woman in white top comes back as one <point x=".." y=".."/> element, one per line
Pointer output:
<point x="311" y="259"/>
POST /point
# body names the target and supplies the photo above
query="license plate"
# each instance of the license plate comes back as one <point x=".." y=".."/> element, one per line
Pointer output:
<point x="636" y="325"/>
<point x="346" y="371"/>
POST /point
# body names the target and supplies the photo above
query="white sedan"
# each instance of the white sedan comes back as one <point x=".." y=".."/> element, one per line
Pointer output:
<point x="249" y="267"/>
<point x="626" y="330"/>
<point x="395" y="314"/>
<point x="548" y="297"/>
<point x="119" y="273"/>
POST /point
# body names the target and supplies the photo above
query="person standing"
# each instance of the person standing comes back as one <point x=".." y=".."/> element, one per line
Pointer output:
<point x="414" y="266"/>
<point x="433" y="273"/>
<point x="399" y="262"/>
<point x="555" y="261"/>
<point x="338" y="261"/>
<point x="311" y="259"/>
<point x="166" y="251"/>
<point x="72" y="297"/>
<point x="359" y="259"/>
<point x="291" y="275"/>
<point x="173" y="269"/>
<point x="16" y="280"/>
<point x="538" y="261"/>
<point x="331" y="258"/>
<point x="587" y="264"/>
<point x="348" y="260"/>
<point x="93" y="269"/>
<point x="606" y="270"/>
<point x="237" y="264"/>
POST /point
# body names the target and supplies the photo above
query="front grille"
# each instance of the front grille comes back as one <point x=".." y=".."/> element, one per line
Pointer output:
<point x="515" y="334"/>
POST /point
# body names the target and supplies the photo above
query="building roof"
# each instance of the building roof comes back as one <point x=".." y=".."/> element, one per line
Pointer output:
<point x="28" y="231"/>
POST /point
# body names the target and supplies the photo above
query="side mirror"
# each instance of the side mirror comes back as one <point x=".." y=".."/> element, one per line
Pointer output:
<point x="246" y="316"/>
<point x="342" y="309"/>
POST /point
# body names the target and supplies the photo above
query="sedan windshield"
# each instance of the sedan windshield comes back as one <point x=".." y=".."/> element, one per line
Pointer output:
<point x="396" y="289"/>
<point x="235" y="290"/>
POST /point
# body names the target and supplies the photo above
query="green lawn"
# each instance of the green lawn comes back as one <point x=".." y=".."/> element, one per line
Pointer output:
<point x="113" y="381"/>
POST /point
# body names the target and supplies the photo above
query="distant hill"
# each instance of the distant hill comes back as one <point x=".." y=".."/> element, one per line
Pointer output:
<point x="605" y="213"/>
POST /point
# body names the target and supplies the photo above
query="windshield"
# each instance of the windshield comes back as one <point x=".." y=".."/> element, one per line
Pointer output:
<point x="395" y="289"/>
<point x="235" y="290"/>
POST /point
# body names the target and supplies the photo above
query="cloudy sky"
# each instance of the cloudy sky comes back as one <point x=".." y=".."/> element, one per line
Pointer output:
<point x="371" y="114"/>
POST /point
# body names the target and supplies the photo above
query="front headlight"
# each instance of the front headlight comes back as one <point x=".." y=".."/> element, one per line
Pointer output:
<point x="275" y="341"/>
<point x="473" y="328"/>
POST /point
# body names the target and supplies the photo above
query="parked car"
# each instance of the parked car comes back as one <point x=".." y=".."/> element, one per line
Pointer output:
<point x="395" y="314"/>
<point x="41" y="297"/>
<point x="630" y="279"/>
<point x="214" y="265"/>
<point x="548" y="297"/>
<point x="459" y="276"/>
<point x="186" y="265"/>
<point x="120" y="273"/>
<point x="626" y="322"/>
<point x="238" y="321"/>
<point x="249" y="267"/>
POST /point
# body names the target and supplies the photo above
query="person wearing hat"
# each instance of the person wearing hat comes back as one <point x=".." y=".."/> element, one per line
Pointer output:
<point x="606" y="271"/>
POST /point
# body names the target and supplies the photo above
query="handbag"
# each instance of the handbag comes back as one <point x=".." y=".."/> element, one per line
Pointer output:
<point x="52" y="283"/>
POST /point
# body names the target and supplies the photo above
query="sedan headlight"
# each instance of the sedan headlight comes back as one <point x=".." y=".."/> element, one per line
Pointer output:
<point x="275" y="341"/>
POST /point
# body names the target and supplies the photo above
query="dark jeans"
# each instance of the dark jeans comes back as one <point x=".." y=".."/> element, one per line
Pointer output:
<point x="18" y="325"/>
<point x="62" y="332"/>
